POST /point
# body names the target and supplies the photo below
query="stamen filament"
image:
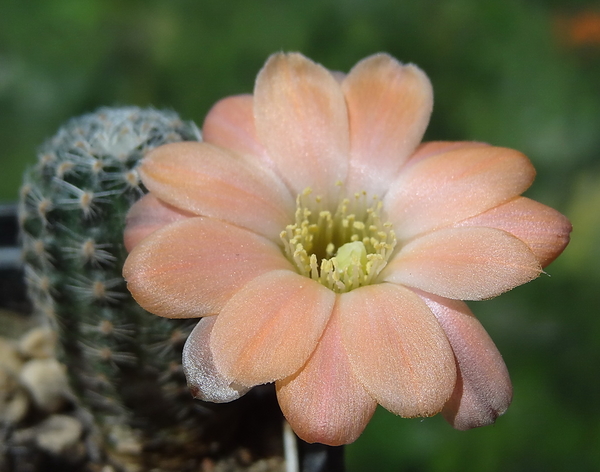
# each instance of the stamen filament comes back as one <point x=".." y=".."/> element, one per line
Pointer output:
<point x="343" y="250"/>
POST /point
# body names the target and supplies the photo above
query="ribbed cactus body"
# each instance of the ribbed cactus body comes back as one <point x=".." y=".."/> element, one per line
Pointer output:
<point x="124" y="363"/>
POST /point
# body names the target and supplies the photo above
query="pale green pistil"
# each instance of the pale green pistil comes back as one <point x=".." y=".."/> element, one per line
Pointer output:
<point x="351" y="256"/>
<point x="343" y="250"/>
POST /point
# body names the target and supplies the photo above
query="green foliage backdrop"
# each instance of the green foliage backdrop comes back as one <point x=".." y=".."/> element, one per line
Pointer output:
<point x="516" y="73"/>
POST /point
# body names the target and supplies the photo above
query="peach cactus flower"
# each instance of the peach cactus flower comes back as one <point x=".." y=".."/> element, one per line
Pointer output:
<point x="326" y="250"/>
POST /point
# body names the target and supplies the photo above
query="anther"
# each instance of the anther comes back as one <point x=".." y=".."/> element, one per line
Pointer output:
<point x="342" y="250"/>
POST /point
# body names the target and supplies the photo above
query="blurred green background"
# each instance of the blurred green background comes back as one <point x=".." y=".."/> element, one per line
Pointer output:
<point x="522" y="74"/>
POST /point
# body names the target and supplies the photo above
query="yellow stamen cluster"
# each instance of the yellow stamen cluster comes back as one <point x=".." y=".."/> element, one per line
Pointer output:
<point x="342" y="250"/>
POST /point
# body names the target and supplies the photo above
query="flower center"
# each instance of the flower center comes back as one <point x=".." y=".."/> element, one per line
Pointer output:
<point x="342" y="250"/>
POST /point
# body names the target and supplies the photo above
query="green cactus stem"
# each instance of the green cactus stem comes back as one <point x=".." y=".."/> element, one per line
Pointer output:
<point x="124" y="364"/>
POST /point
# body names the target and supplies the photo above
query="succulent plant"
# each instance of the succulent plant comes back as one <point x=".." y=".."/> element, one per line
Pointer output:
<point x="124" y="363"/>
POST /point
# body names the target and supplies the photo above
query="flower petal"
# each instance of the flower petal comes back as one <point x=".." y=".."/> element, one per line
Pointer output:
<point x="301" y="119"/>
<point x="192" y="267"/>
<point x="464" y="263"/>
<point x="483" y="390"/>
<point x="146" y="216"/>
<point x="268" y="330"/>
<point x="208" y="181"/>
<point x="230" y="125"/>
<point x="324" y="402"/>
<point x="397" y="349"/>
<point x="203" y="378"/>
<point x="445" y="188"/>
<point x="389" y="105"/>
<point x="431" y="148"/>
<point x="543" y="229"/>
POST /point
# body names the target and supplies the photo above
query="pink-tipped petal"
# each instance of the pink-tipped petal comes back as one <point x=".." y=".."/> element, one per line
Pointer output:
<point x="192" y="267"/>
<point x="206" y="180"/>
<point x="324" y="402"/>
<point x="230" y="125"/>
<point x="431" y="148"/>
<point x="146" y="216"/>
<point x="389" y="105"/>
<point x="204" y="380"/>
<point x="301" y="118"/>
<point x="445" y="188"/>
<point x="268" y="330"/>
<point x="397" y="349"/>
<point x="483" y="390"/>
<point x="543" y="229"/>
<point x="464" y="263"/>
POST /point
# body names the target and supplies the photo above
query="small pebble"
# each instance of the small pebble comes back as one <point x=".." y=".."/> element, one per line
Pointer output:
<point x="125" y="440"/>
<point x="59" y="434"/>
<point x="46" y="382"/>
<point x="38" y="343"/>
<point x="9" y="356"/>
<point x="14" y="402"/>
